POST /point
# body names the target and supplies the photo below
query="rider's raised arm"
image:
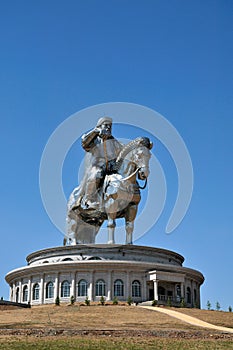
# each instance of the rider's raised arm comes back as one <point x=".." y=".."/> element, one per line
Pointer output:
<point x="88" y="140"/>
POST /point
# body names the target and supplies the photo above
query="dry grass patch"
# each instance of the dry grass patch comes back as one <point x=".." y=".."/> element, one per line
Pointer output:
<point x="103" y="327"/>
<point x="114" y="317"/>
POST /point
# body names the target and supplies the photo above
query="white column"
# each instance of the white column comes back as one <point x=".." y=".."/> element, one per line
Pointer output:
<point x="76" y="279"/>
<point x="192" y="296"/>
<point x="20" y="291"/>
<point x="156" y="296"/>
<point x="75" y="288"/>
<point x="11" y="293"/>
<point x="42" y="290"/>
<point x="30" y="290"/>
<point x="127" y="287"/>
<point x="72" y="291"/>
<point x="56" y="287"/>
<point x="90" y="294"/>
<point x="109" y="285"/>
<point x="198" y="295"/>
<point x="14" y="292"/>
<point x="144" y="288"/>
<point x="182" y="290"/>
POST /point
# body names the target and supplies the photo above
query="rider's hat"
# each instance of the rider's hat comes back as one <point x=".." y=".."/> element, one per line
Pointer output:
<point x="104" y="120"/>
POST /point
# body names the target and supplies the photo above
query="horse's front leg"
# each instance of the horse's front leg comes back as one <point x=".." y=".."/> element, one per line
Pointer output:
<point x="111" y="230"/>
<point x="111" y="210"/>
<point x="129" y="223"/>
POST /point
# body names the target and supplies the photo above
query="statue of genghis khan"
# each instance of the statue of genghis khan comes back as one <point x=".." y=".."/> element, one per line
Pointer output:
<point x="104" y="149"/>
<point x="109" y="188"/>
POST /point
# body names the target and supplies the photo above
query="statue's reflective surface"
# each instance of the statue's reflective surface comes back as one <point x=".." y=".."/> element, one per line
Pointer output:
<point x="109" y="189"/>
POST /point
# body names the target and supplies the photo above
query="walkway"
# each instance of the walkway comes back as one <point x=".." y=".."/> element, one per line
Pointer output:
<point x="188" y="319"/>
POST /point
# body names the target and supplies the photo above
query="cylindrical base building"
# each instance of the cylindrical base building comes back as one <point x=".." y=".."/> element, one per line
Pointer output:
<point x="113" y="271"/>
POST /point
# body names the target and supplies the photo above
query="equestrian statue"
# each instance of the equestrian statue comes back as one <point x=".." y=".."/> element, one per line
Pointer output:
<point x="109" y="188"/>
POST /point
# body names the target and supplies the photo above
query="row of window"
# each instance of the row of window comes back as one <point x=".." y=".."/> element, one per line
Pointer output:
<point x="69" y="259"/>
<point x="100" y="289"/>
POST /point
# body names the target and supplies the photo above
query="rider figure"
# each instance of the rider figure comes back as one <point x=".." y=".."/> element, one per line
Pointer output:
<point x="104" y="149"/>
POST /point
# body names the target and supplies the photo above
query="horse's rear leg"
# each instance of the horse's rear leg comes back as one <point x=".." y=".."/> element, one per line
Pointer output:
<point x="71" y="227"/>
<point x="129" y="227"/>
<point x="129" y="223"/>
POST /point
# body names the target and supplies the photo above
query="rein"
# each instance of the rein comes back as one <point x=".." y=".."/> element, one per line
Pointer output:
<point x="143" y="187"/>
<point x="129" y="177"/>
<point x="133" y="174"/>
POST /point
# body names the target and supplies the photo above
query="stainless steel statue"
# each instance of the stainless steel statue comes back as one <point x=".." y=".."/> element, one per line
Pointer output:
<point x="103" y="149"/>
<point x="109" y="189"/>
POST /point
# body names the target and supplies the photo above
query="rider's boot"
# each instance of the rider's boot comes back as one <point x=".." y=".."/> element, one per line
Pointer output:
<point x="90" y="200"/>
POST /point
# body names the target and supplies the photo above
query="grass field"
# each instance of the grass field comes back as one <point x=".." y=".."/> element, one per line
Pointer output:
<point x="108" y="327"/>
<point x="114" y="344"/>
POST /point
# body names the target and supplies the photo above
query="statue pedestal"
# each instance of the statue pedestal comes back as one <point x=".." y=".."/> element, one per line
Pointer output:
<point x="96" y="270"/>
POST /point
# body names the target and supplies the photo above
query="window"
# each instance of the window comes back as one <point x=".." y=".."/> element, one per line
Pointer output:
<point x="136" y="289"/>
<point x="169" y="295"/>
<point x="162" y="293"/>
<point x="100" y="288"/>
<point x="65" y="289"/>
<point x="195" y="295"/>
<point x="178" y="293"/>
<point x="82" y="288"/>
<point x="49" y="293"/>
<point x="188" y="295"/>
<point x="25" y="293"/>
<point x="118" y="288"/>
<point x="35" y="291"/>
<point x="178" y="290"/>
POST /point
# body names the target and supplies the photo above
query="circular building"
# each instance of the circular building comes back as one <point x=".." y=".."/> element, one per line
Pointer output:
<point x="95" y="270"/>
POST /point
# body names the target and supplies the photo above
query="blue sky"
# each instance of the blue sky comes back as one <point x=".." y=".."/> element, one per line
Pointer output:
<point x="58" y="57"/>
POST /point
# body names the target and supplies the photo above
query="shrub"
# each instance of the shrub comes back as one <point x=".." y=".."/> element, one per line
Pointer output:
<point x="218" y="307"/>
<point x="87" y="301"/>
<point x="230" y="309"/>
<point x="129" y="300"/>
<point x="57" y="301"/>
<point x="169" y="303"/>
<point x="115" y="301"/>
<point x="102" y="300"/>
<point x="154" y="303"/>
<point x="182" y="303"/>
<point x="72" y="300"/>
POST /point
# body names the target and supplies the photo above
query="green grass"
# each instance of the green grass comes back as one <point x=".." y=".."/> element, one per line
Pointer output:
<point x="114" y="343"/>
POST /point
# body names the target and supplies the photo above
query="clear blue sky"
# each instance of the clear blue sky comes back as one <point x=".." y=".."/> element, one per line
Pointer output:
<point x="58" y="57"/>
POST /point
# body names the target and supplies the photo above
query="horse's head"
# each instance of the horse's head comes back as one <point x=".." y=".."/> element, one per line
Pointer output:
<point x="134" y="157"/>
<point x="142" y="156"/>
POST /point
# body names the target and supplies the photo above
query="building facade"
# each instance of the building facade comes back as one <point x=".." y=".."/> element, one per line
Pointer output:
<point x="121" y="271"/>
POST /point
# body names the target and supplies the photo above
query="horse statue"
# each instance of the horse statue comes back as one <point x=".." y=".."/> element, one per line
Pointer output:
<point x="119" y="197"/>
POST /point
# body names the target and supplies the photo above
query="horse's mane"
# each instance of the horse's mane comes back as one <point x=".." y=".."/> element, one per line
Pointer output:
<point x="139" y="141"/>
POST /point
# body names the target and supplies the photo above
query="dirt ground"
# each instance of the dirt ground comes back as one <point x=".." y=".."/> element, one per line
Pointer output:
<point x="108" y="320"/>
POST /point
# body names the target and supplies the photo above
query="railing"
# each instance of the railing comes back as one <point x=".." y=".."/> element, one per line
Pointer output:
<point x="166" y="298"/>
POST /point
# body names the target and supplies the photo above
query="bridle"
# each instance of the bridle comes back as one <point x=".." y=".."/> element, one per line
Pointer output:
<point x="132" y="175"/>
